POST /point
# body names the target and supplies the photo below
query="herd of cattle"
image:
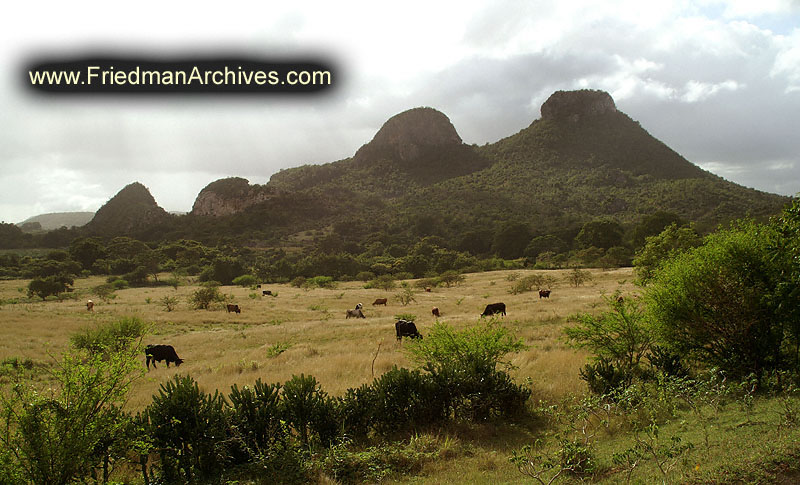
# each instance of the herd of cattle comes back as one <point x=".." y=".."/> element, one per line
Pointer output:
<point x="403" y="328"/>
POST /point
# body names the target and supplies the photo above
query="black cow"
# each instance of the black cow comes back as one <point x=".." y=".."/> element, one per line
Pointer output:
<point x="157" y="353"/>
<point x="233" y="308"/>
<point x="493" y="308"/>
<point x="405" y="328"/>
<point x="544" y="294"/>
<point x="266" y="293"/>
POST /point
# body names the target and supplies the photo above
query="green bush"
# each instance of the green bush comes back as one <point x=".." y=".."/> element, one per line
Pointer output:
<point x="57" y="434"/>
<point x="403" y="399"/>
<point x="49" y="286"/>
<point x="464" y="366"/>
<point x="384" y="282"/>
<point x="203" y="297"/>
<point x="604" y="377"/>
<point x="620" y="336"/>
<point x="114" y="336"/>
<point x="716" y="302"/>
<point x="119" y="284"/>
<point x="189" y="430"/>
<point x="256" y="418"/>
<point x="309" y="410"/>
<point x="245" y="281"/>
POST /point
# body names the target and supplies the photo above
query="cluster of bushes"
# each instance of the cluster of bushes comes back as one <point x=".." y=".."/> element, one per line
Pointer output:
<point x="77" y="429"/>
<point x="728" y="302"/>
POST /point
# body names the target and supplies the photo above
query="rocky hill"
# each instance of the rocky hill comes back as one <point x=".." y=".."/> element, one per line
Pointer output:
<point x="229" y="196"/>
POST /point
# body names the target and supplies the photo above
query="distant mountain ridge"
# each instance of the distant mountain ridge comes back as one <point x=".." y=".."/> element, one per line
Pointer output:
<point x="57" y="220"/>
<point x="582" y="160"/>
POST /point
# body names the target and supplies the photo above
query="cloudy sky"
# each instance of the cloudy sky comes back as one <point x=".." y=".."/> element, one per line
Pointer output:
<point x="717" y="81"/>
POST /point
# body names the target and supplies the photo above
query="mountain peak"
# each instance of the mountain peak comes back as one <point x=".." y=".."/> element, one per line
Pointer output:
<point x="229" y="196"/>
<point x="407" y="134"/>
<point x="133" y="208"/>
<point x="575" y="105"/>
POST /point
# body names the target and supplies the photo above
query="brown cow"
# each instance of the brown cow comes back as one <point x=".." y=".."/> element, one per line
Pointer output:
<point x="233" y="308"/>
<point x="544" y="294"/>
<point x="435" y="311"/>
<point x="90" y="305"/>
<point x="428" y="289"/>
<point x="379" y="301"/>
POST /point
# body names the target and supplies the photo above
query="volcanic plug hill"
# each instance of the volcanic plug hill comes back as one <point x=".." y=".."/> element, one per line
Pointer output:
<point x="582" y="160"/>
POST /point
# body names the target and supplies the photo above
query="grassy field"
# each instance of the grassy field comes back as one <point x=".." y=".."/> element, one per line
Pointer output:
<point x="305" y="331"/>
<point x="221" y="349"/>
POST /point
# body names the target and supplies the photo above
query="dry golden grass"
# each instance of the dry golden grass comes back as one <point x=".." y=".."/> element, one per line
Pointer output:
<point x="221" y="349"/>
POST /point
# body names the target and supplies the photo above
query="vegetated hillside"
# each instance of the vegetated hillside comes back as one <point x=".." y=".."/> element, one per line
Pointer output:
<point x="581" y="161"/>
<point x="133" y="211"/>
<point x="55" y="220"/>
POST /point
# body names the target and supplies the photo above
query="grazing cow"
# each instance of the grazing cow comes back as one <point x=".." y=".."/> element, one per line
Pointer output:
<point x="405" y="328"/>
<point x="428" y="289"/>
<point x="357" y="313"/>
<point x="544" y="294"/>
<point x="435" y="311"/>
<point x="258" y="286"/>
<point x="90" y="305"/>
<point x="157" y="353"/>
<point x="379" y="301"/>
<point x="233" y="308"/>
<point x="493" y="308"/>
<point x="266" y="293"/>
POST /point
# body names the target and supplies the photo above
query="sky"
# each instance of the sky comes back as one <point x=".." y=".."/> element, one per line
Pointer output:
<point x="717" y="81"/>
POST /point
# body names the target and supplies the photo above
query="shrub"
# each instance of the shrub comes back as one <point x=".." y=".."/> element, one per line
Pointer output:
<point x="105" y="291"/>
<point x="188" y="428"/>
<point x="115" y="336"/>
<point x="169" y="303"/>
<point x="463" y="364"/>
<point x="309" y="410"/>
<point x="578" y="277"/>
<point x="203" y="297"/>
<point x="256" y="418"/>
<point x="716" y="302"/>
<point x="451" y="278"/>
<point x="298" y="282"/>
<point x="528" y="283"/>
<point x="604" y="377"/>
<point x="383" y="282"/>
<point x="620" y="337"/>
<point x="50" y="285"/>
<point x="365" y="276"/>
<point x="405" y="398"/>
<point x="406" y="295"/>
<point x="322" y="282"/>
<point x="119" y="284"/>
<point x="657" y="249"/>
<point x="59" y="433"/>
<point x="245" y="281"/>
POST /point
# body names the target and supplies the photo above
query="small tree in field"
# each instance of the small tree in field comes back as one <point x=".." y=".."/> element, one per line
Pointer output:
<point x="578" y="276"/>
<point x="203" y="297"/>
<point x="406" y="295"/>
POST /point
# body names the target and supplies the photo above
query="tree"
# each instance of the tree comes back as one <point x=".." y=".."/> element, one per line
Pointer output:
<point x="203" y="297"/>
<point x="657" y="249"/>
<point x="577" y="277"/>
<point x="654" y="224"/>
<point x="511" y="240"/>
<point x="51" y="285"/>
<point x="541" y="244"/>
<point x="86" y="251"/>
<point x="716" y="302"/>
<point x="603" y="233"/>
